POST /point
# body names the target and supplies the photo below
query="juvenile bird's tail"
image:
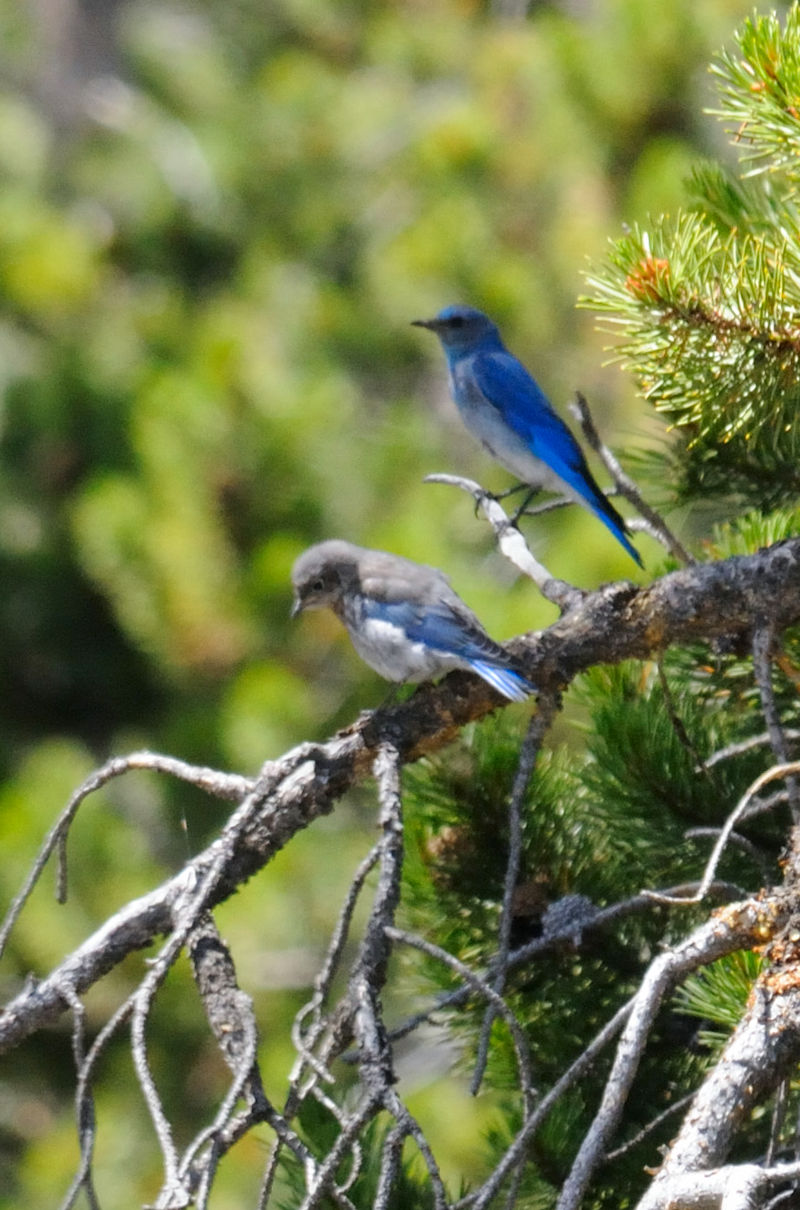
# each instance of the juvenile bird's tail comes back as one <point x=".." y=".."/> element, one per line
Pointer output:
<point x="511" y="684"/>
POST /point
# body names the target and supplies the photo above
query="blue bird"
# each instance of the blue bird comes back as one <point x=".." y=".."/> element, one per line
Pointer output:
<point x="502" y="405"/>
<point x="403" y="618"/>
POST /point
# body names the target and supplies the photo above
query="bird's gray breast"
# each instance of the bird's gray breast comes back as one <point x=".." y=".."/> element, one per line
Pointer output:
<point x="388" y="649"/>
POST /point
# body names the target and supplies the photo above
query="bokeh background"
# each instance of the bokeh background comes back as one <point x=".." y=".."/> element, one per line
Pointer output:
<point x="216" y="223"/>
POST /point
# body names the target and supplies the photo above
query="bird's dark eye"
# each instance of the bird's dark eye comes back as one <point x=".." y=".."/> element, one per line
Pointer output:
<point x="457" y="321"/>
<point x="318" y="585"/>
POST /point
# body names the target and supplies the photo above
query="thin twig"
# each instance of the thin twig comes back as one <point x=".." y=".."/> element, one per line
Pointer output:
<point x="391" y="1157"/>
<point x="548" y="506"/>
<point x="763" y="636"/>
<point x="641" y="1135"/>
<point x="227" y="786"/>
<point x="777" y="771"/>
<point x="512" y="544"/>
<point x="736" y="840"/>
<point x="539" y="725"/>
<point x="778" y="1118"/>
<point x="678" y="725"/>
<point x="746" y="745"/>
<point x="84" y="1105"/>
<point x="83" y="1097"/>
<point x="479" y="984"/>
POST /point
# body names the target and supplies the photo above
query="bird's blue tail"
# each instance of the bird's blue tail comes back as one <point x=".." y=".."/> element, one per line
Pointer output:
<point x="582" y="482"/>
<point x="511" y="684"/>
<point x="605" y="512"/>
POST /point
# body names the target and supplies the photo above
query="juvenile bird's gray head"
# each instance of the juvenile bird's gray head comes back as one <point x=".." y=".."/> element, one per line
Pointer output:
<point x="323" y="574"/>
<point x="460" y="328"/>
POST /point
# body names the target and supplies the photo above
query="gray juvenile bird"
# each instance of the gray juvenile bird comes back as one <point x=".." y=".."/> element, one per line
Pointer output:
<point x="403" y="618"/>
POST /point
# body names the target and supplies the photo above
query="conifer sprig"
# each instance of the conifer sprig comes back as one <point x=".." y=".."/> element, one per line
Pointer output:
<point x="706" y="305"/>
<point x="707" y="330"/>
<point x="759" y="91"/>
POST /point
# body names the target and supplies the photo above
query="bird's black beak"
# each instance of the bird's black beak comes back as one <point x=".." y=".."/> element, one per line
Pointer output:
<point x="424" y="323"/>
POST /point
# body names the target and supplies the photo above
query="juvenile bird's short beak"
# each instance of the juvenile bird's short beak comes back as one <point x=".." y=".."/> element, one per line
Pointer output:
<point x="297" y="607"/>
<point x="424" y="323"/>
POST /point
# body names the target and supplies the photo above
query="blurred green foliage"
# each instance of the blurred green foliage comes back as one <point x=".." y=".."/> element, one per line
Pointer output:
<point x="216" y="222"/>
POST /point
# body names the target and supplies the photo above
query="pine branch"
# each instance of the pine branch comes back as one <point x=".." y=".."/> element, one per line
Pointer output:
<point x="760" y="92"/>
<point x="709" y="330"/>
<point x="706" y="305"/>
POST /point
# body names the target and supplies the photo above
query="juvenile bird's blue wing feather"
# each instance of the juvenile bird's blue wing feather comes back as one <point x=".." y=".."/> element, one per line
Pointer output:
<point x="446" y="629"/>
<point x="437" y="626"/>
<point x="507" y="385"/>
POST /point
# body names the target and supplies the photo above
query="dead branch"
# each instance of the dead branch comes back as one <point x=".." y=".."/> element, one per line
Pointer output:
<point x="617" y="622"/>
<point x="762" y="1049"/>
<point x="732" y="928"/>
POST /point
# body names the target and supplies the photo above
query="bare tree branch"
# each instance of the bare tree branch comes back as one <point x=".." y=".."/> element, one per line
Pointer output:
<point x="744" y="601"/>
<point x="737" y="1187"/>
<point x="730" y="929"/>
<point x="538" y="727"/>
<point x="511" y="542"/>
<point x="614" y="623"/>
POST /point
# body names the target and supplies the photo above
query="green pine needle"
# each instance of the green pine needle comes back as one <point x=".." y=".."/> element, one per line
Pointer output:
<point x="760" y="93"/>
<point x="719" y="994"/>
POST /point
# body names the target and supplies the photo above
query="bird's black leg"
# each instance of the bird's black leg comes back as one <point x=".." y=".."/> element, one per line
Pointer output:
<point x="531" y="494"/>
<point x="510" y="491"/>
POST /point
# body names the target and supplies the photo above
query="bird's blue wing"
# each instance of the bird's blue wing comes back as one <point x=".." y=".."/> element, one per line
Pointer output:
<point x="507" y="385"/>
<point x="445" y="629"/>
<point x="435" y="625"/>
